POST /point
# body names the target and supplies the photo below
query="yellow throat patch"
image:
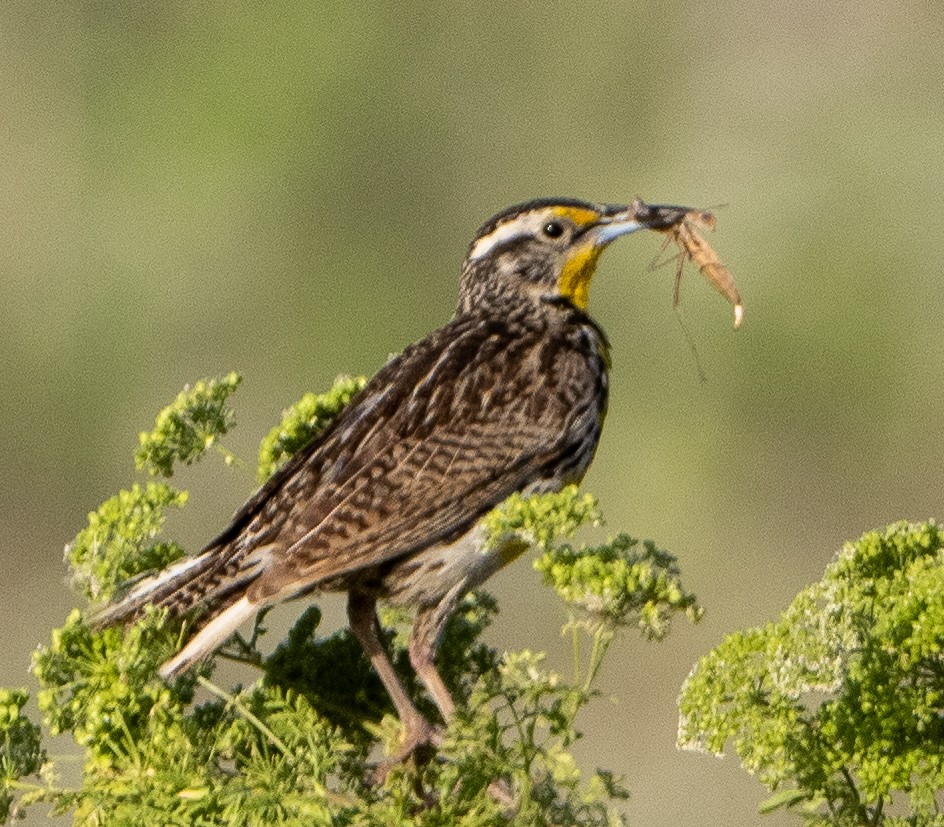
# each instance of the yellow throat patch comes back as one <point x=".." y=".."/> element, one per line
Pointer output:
<point x="574" y="281"/>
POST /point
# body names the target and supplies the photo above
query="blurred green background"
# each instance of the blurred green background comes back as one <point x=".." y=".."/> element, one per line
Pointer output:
<point x="288" y="190"/>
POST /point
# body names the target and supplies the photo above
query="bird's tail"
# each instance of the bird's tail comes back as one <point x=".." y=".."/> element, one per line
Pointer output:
<point x="212" y="582"/>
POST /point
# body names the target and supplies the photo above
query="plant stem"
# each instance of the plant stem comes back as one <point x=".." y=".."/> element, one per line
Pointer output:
<point x="576" y="641"/>
<point x="602" y="638"/>
<point x="242" y="709"/>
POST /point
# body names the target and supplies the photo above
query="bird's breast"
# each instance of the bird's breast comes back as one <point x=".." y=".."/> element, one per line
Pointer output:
<point x="443" y="570"/>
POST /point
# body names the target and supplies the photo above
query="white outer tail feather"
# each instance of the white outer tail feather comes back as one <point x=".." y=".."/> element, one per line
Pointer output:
<point x="209" y="638"/>
<point x="141" y="591"/>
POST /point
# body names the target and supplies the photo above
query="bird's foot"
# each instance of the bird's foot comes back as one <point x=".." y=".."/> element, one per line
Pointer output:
<point x="421" y="740"/>
<point x="420" y="743"/>
<point x="503" y="795"/>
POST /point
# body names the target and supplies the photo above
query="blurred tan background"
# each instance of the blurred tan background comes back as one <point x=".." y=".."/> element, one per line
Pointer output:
<point x="288" y="190"/>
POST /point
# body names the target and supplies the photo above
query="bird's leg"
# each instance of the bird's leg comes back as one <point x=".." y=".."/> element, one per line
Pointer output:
<point x="424" y="643"/>
<point x="362" y="615"/>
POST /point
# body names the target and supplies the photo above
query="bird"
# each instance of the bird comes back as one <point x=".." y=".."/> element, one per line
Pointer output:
<point x="510" y="395"/>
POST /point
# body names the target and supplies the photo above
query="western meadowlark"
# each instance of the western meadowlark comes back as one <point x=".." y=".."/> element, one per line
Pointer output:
<point x="509" y="396"/>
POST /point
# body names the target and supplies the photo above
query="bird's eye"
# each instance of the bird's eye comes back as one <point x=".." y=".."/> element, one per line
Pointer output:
<point x="553" y="229"/>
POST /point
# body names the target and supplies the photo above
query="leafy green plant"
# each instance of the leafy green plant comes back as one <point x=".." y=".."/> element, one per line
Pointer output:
<point x="186" y="428"/>
<point x="296" y="745"/>
<point x="303" y="422"/>
<point x="838" y="707"/>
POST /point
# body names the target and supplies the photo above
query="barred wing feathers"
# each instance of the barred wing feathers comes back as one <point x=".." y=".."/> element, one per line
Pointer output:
<point x="488" y="414"/>
<point x="439" y="436"/>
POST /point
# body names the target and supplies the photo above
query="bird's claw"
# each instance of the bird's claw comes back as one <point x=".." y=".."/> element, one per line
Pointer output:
<point x="420" y="743"/>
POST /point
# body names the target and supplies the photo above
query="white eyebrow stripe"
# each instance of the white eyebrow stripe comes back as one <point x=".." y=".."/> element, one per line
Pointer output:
<point x="502" y="233"/>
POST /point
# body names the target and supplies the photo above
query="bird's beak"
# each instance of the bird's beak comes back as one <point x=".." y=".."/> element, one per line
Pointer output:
<point x="622" y="220"/>
<point x="616" y="221"/>
<point x="609" y="224"/>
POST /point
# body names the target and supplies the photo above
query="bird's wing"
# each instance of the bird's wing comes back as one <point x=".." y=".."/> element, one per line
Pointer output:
<point x="486" y="413"/>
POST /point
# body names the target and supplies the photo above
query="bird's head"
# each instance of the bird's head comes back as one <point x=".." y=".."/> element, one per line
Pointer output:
<point x="547" y="250"/>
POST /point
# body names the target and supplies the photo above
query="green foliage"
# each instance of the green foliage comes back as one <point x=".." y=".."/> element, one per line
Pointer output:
<point x="120" y="540"/>
<point x="838" y="706"/>
<point x="186" y="428"/>
<point x="293" y="747"/>
<point x="92" y="680"/>
<point x="302" y="422"/>
<point x="20" y="750"/>
<point x="539" y="521"/>
<point x="620" y="583"/>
